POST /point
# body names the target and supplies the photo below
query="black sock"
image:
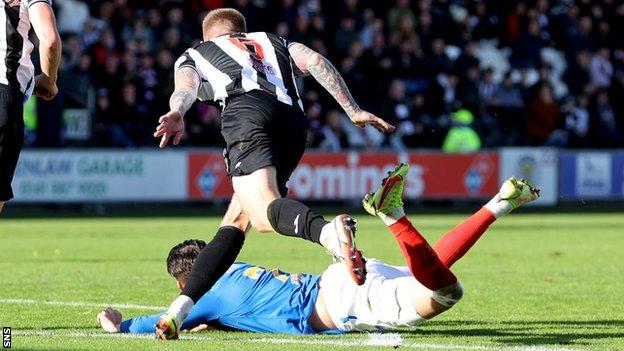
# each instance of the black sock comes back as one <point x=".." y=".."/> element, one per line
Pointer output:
<point x="213" y="261"/>
<point x="292" y="218"/>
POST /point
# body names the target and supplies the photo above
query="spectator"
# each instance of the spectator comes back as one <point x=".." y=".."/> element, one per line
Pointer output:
<point x="468" y="89"/>
<point x="487" y="87"/>
<point x="110" y="125"/>
<point x="398" y="12"/>
<point x="437" y="61"/>
<point x="507" y="106"/>
<point x="345" y="34"/>
<point x="526" y="51"/>
<point x="467" y="58"/>
<point x="397" y="109"/>
<point x="576" y="124"/>
<point x="601" y="69"/>
<point x="406" y="59"/>
<point x="544" y="115"/>
<point x="334" y="134"/>
<point x="607" y="132"/>
<point x="461" y="138"/>
<point x="576" y="75"/>
<point x="411" y="129"/>
<point x="135" y="115"/>
<point x="72" y="16"/>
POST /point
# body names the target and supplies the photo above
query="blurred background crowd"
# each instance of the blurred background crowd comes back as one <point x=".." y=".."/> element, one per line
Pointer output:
<point x="451" y="74"/>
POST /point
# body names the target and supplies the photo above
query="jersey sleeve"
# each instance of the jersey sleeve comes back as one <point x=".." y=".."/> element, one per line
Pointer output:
<point x="140" y="325"/>
<point x="29" y="3"/>
<point x="206" y="92"/>
<point x="206" y="309"/>
<point x="186" y="60"/>
<point x="287" y="43"/>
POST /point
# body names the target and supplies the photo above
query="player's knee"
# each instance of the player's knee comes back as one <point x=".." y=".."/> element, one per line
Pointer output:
<point x="450" y="295"/>
<point x="259" y="221"/>
<point x="262" y="225"/>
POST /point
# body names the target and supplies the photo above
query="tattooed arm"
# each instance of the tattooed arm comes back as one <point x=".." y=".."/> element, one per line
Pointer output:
<point x="308" y="61"/>
<point x="185" y="93"/>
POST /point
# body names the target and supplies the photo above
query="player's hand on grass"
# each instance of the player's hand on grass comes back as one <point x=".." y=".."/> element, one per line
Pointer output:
<point x="45" y="87"/>
<point x="362" y="118"/>
<point x="170" y="125"/>
<point x="110" y="320"/>
<point x="201" y="328"/>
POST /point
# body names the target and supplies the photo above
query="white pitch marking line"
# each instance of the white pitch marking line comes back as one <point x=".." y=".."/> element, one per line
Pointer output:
<point x="295" y="341"/>
<point x="80" y="304"/>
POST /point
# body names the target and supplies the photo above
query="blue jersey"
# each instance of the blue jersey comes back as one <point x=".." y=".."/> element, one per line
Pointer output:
<point x="249" y="298"/>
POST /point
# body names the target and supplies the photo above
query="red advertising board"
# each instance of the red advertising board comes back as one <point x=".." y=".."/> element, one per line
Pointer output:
<point x="333" y="176"/>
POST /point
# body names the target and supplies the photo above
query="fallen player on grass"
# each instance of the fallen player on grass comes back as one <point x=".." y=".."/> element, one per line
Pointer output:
<point x="251" y="298"/>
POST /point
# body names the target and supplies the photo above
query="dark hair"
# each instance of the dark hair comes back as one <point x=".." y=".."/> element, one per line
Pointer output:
<point x="232" y="17"/>
<point x="181" y="258"/>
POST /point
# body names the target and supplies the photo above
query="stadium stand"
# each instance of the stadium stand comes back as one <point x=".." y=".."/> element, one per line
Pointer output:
<point x="530" y="72"/>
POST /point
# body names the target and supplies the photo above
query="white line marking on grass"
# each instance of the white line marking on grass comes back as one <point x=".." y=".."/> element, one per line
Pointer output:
<point x="369" y="341"/>
<point x="385" y="339"/>
<point x="80" y="304"/>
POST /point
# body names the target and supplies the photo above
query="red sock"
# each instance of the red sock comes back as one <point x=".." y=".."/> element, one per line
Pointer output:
<point x="421" y="259"/>
<point x="454" y="244"/>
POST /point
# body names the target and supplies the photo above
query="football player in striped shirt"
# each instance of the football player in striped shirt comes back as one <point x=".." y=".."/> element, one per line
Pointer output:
<point x="17" y="75"/>
<point x="252" y="76"/>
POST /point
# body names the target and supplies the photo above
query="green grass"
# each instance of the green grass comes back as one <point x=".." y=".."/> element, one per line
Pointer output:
<point x="551" y="281"/>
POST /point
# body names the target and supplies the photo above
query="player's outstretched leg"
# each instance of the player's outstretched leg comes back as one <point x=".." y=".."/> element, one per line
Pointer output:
<point x="454" y="244"/>
<point x="211" y="263"/>
<point x="259" y="194"/>
<point x="387" y="204"/>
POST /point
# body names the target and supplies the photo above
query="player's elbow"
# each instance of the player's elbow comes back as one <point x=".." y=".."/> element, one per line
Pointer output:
<point x="316" y="60"/>
<point x="450" y="295"/>
<point x="50" y="41"/>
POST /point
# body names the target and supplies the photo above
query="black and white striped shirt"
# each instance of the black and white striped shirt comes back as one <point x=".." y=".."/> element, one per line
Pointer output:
<point x="16" y="68"/>
<point x="234" y="64"/>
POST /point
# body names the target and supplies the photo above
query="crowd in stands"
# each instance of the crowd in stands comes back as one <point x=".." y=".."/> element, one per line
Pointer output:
<point x="484" y="73"/>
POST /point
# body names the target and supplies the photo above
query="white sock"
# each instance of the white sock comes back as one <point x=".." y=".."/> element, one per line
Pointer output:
<point x="180" y="308"/>
<point x="498" y="207"/>
<point x="329" y="238"/>
<point x="392" y="217"/>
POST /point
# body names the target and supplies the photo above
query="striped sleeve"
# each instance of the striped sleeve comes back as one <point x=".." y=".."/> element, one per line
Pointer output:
<point x="186" y="61"/>
<point x="32" y="2"/>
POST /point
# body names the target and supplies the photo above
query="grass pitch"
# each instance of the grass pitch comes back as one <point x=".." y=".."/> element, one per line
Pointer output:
<point x="533" y="282"/>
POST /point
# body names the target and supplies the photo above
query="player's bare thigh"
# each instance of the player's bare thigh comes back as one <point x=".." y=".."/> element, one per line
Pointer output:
<point x="1" y="206"/>
<point x="235" y="217"/>
<point x="255" y="191"/>
<point x="422" y="301"/>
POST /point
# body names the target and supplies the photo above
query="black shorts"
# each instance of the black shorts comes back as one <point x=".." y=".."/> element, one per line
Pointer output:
<point x="11" y="137"/>
<point x="260" y="131"/>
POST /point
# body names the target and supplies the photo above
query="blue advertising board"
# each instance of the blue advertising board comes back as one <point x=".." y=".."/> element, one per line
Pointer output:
<point x="592" y="175"/>
<point x="618" y="174"/>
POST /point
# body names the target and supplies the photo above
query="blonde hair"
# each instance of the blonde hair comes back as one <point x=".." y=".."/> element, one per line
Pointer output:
<point x="230" y="18"/>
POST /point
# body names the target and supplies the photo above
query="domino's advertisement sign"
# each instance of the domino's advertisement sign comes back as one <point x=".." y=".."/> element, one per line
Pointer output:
<point x="592" y="175"/>
<point x="340" y="176"/>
